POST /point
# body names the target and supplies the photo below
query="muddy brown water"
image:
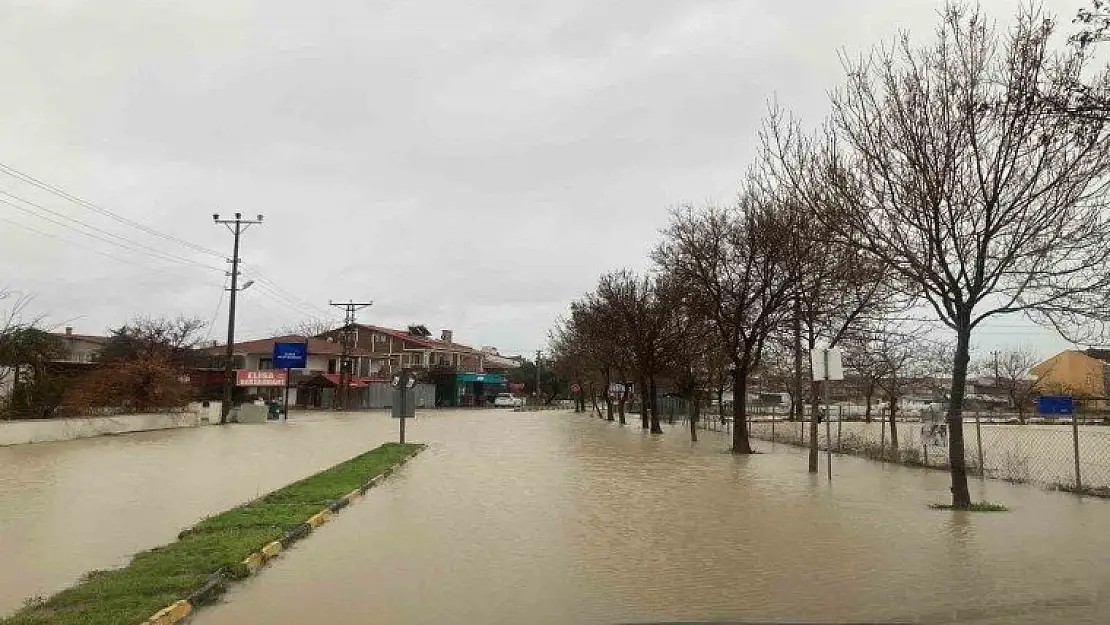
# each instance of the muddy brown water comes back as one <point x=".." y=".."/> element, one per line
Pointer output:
<point x="73" y="506"/>
<point x="555" y="518"/>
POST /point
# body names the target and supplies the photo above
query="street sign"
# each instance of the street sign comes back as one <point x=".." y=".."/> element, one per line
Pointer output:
<point x="1050" y="405"/>
<point x="290" y="355"/>
<point x="574" y="388"/>
<point x="826" y="364"/>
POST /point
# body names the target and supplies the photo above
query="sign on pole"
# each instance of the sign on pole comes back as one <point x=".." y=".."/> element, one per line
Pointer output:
<point x="404" y="398"/>
<point x="826" y="364"/>
<point x="290" y="355"/>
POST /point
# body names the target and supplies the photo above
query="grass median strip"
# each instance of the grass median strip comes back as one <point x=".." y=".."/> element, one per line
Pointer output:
<point x="157" y="578"/>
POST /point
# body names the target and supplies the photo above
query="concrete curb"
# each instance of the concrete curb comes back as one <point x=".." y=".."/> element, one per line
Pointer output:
<point x="217" y="582"/>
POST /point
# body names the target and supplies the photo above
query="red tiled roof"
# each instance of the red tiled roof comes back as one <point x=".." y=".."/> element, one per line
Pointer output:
<point x="266" y="346"/>
<point x="429" y="343"/>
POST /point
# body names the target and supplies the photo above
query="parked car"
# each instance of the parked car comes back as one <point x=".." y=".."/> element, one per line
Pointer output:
<point x="506" y="400"/>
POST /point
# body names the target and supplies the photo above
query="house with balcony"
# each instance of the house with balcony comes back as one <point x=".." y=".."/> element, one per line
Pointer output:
<point x="458" y="371"/>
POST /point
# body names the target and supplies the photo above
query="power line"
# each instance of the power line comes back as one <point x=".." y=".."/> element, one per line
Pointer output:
<point x="278" y="293"/>
<point x="46" y="186"/>
<point x="263" y="279"/>
<point x="216" y="313"/>
<point x="90" y="226"/>
<point x="127" y="246"/>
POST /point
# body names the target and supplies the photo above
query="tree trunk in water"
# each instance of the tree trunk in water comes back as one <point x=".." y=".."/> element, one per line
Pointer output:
<point x="796" y="405"/>
<point x="655" y="427"/>
<point x="593" y="400"/>
<point x="694" y="414"/>
<point x="620" y="405"/>
<point x="867" y="398"/>
<point x="608" y="397"/>
<point x="961" y="497"/>
<point x="643" y="404"/>
<point x="740" y="442"/>
<point x="894" y="427"/>
<point x="814" y="410"/>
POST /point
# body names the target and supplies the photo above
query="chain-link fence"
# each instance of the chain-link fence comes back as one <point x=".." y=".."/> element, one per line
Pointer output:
<point x="1066" y="454"/>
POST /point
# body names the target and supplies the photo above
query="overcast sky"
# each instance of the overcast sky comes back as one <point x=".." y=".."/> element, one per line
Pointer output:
<point x="466" y="165"/>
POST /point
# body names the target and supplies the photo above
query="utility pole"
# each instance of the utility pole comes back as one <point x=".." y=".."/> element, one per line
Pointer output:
<point x="237" y="227"/>
<point x="349" y="308"/>
<point x="538" y="355"/>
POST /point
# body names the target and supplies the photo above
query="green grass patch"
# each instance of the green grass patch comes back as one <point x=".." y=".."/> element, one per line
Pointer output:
<point x="980" y="506"/>
<point x="161" y="576"/>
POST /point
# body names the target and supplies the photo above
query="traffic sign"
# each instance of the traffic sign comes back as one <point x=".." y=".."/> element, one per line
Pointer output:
<point x="574" y="388"/>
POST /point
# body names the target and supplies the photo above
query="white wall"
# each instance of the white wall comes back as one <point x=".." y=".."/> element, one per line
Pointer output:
<point x="45" y="430"/>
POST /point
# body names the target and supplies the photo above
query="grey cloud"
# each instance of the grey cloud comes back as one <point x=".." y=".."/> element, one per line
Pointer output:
<point x="468" y="165"/>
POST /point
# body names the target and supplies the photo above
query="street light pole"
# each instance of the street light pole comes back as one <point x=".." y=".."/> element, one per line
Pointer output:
<point x="237" y="226"/>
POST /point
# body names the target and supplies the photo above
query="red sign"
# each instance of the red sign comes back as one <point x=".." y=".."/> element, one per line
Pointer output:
<point x="269" y="377"/>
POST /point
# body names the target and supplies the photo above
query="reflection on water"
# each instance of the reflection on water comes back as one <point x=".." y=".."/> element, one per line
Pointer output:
<point x="557" y="518"/>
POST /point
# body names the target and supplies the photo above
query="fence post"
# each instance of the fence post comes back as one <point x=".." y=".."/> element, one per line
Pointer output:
<point x="882" y="437"/>
<point x="839" y="428"/>
<point x="1075" y="449"/>
<point x="979" y="442"/>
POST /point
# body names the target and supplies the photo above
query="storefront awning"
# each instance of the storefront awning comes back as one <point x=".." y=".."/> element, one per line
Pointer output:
<point x="482" y="378"/>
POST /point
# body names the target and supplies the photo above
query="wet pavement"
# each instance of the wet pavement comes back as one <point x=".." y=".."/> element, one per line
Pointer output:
<point x="70" y="507"/>
<point x="556" y="518"/>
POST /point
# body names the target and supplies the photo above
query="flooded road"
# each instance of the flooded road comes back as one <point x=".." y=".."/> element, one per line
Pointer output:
<point x="70" y="507"/>
<point x="555" y="518"/>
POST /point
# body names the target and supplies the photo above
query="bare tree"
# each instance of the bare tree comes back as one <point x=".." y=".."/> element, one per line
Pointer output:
<point x="888" y="355"/>
<point x="1010" y="370"/>
<point x="312" y="327"/>
<point x="650" y="330"/>
<point x="952" y="167"/>
<point x="733" y="265"/>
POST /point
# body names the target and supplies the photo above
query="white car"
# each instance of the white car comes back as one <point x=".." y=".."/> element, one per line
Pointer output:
<point x="506" y="400"/>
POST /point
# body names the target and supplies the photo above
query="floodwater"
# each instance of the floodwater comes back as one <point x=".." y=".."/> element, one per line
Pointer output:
<point x="70" y="507"/>
<point x="556" y="518"/>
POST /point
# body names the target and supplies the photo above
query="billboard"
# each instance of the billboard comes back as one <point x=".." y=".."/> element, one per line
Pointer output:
<point x="266" y="377"/>
<point x="1050" y="405"/>
<point x="290" y="355"/>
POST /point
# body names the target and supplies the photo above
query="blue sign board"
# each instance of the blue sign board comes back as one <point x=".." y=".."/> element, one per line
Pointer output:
<point x="290" y="355"/>
<point x="1053" y="405"/>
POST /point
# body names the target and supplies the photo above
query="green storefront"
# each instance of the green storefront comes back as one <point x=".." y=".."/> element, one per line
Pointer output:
<point x="472" y="389"/>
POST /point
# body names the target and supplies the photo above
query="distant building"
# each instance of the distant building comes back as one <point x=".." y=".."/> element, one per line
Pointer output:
<point x="80" y="348"/>
<point x="1076" y="373"/>
<point x="312" y="386"/>
<point x="458" y="371"/>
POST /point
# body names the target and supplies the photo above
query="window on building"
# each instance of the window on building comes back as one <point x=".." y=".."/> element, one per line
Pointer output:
<point x="265" y="363"/>
<point x="332" y="366"/>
